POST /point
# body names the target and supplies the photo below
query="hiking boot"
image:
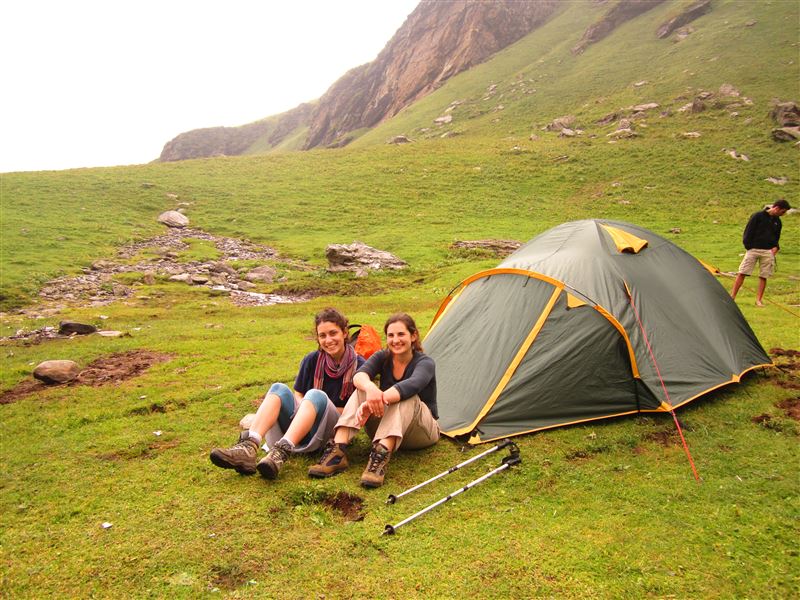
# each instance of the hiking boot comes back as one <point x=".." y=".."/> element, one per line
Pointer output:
<point x="373" y="475"/>
<point x="241" y="456"/>
<point x="332" y="461"/>
<point x="271" y="464"/>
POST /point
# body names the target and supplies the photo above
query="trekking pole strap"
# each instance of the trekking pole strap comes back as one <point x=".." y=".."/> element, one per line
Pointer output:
<point x="394" y="498"/>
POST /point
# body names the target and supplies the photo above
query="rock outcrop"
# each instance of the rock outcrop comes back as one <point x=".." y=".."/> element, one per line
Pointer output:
<point x="360" y="258"/>
<point x="622" y="11"/>
<point x="787" y="116"/>
<point x="437" y="41"/>
<point x="687" y="15"/>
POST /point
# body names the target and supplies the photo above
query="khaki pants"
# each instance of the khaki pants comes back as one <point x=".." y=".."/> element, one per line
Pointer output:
<point x="764" y="258"/>
<point x="409" y="420"/>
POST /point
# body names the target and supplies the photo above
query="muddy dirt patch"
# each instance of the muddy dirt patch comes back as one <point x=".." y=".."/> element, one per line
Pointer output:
<point x="105" y="370"/>
<point x="228" y="577"/>
<point x="349" y="506"/>
<point x="786" y="359"/>
<point x="119" y="367"/>
<point x="22" y="389"/>
<point x="790" y="406"/>
<point x="345" y="505"/>
<point x="666" y="437"/>
<point x="784" y="352"/>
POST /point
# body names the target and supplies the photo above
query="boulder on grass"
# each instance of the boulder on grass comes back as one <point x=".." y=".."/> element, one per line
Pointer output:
<point x="359" y="257"/>
<point x="70" y="327"/>
<point x="172" y="218"/>
<point x="56" y="371"/>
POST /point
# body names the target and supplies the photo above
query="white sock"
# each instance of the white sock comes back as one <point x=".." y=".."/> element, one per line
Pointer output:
<point x="256" y="436"/>
<point x="287" y="441"/>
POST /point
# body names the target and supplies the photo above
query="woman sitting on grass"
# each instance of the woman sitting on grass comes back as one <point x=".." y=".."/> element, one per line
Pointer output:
<point x="300" y="421"/>
<point x="400" y="413"/>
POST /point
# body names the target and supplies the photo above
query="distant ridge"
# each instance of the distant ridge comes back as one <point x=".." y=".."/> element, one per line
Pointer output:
<point x="437" y="41"/>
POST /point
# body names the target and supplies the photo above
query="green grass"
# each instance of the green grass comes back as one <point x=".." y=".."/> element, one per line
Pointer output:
<point x="600" y="510"/>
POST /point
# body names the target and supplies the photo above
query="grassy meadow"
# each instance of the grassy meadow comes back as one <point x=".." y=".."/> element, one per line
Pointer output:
<point x="608" y="509"/>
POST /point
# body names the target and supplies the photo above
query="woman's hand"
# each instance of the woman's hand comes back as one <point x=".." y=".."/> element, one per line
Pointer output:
<point x="372" y="406"/>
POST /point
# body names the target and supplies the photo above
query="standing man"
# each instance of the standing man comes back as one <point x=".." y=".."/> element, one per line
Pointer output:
<point x="760" y="238"/>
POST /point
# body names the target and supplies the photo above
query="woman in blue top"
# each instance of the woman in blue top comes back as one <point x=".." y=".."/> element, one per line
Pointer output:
<point x="299" y="421"/>
<point x="400" y="411"/>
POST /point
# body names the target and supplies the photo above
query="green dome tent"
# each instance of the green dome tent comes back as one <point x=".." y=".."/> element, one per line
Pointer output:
<point x="591" y="319"/>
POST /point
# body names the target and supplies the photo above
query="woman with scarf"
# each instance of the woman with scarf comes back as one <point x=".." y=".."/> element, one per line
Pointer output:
<point x="300" y="421"/>
<point x="397" y="412"/>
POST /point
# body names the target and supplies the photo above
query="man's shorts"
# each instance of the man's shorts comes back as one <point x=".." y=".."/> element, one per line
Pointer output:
<point x="765" y="260"/>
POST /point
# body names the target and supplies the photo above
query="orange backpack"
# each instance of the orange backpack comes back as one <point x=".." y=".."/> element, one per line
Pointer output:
<point x="366" y="340"/>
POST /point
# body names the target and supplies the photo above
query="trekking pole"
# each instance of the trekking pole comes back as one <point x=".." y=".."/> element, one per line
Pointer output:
<point x="509" y="461"/>
<point x="505" y="443"/>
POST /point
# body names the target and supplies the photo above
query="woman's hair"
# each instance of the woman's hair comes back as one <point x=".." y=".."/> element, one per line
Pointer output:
<point x="331" y="315"/>
<point x="406" y="320"/>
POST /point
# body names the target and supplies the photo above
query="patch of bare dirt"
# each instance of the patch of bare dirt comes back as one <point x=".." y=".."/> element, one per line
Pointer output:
<point x="228" y="577"/>
<point x="22" y="389"/>
<point x="762" y="418"/>
<point x="106" y="370"/>
<point x="784" y="352"/>
<point x="789" y="385"/>
<point x="119" y="367"/>
<point x="140" y="451"/>
<point x="578" y="455"/>
<point x="349" y="506"/>
<point x="784" y="359"/>
<point x="666" y="437"/>
<point x="791" y="406"/>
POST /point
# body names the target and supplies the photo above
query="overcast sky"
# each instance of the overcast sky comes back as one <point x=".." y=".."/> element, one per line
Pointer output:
<point x="89" y="83"/>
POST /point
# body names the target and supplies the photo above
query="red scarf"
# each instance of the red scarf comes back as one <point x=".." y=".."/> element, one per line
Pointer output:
<point x="344" y="371"/>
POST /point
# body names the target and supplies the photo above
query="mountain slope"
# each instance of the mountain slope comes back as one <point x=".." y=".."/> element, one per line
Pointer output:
<point x="539" y="78"/>
<point x="577" y="52"/>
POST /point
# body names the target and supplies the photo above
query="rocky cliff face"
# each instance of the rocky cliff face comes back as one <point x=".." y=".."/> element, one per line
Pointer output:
<point x="438" y="40"/>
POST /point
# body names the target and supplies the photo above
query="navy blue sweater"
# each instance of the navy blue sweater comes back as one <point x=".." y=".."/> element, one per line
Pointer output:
<point x="419" y="377"/>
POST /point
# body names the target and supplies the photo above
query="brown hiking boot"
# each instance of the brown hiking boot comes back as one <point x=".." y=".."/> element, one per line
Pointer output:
<point x="373" y="475"/>
<point x="332" y="461"/>
<point x="271" y="464"/>
<point x="241" y="456"/>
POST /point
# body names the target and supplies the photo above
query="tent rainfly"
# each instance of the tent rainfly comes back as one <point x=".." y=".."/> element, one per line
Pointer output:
<point x="591" y="319"/>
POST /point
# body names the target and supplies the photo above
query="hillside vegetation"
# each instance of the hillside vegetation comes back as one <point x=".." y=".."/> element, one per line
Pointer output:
<point x="608" y="509"/>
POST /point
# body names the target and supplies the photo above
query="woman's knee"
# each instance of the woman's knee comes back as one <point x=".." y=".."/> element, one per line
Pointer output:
<point x="282" y="391"/>
<point x="318" y="399"/>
